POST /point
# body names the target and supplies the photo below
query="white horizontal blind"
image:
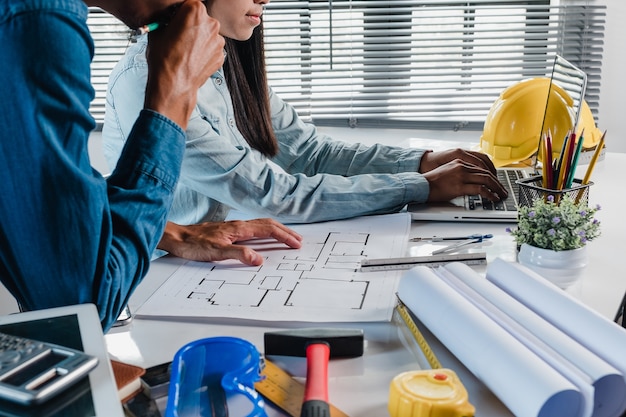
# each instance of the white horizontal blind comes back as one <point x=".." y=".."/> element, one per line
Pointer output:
<point x="402" y="63"/>
<point x="111" y="39"/>
<point x="426" y="63"/>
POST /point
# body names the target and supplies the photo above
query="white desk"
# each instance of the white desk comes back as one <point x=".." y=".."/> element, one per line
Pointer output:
<point x="360" y="386"/>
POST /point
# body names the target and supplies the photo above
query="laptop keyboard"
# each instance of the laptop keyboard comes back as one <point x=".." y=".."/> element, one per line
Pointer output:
<point x="507" y="178"/>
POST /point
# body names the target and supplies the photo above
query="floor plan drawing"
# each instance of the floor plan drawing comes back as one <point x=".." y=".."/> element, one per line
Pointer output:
<point x="319" y="282"/>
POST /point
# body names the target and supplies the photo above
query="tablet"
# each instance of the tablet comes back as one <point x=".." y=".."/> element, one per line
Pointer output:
<point x="77" y="327"/>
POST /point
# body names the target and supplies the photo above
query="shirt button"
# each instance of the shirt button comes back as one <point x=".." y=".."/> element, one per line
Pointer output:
<point x="231" y="122"/>
<point x="218" y="81"/>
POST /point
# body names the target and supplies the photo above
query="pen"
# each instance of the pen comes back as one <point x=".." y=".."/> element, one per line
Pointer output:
<point x="455" y="246"/>
<point x="144" y="29"/>
<point x="478" y="239"/>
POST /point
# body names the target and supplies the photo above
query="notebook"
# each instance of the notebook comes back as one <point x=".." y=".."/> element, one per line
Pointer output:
<point x="474" y="208"/>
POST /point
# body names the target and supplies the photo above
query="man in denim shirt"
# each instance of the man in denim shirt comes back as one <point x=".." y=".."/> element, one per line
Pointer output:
<point x="67" y="236"/>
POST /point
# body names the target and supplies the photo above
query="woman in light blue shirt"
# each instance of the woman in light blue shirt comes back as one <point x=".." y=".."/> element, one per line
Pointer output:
<point x="248" y="150"/>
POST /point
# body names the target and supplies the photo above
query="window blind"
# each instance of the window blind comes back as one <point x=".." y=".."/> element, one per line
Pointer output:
<point x="421" y="63"/>
<point x="431" y="64"/>
<point x="111" y="39"/>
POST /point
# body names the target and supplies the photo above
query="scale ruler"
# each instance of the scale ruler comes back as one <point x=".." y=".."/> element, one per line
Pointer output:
<point x="282" y="390"/>
<point x="392" y="264"/>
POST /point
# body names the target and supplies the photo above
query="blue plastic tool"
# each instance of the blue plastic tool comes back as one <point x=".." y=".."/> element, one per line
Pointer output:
<point x="214" y="375"/>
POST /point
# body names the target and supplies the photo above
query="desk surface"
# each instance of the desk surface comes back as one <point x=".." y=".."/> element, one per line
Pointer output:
<point x="360" y="386"/>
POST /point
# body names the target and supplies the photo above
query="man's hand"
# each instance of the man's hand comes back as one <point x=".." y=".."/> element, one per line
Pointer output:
<point x="181" y="56"/>
<point x="456" y="172"/>
<point x="215" y="241"/>
<point x="432" y="160"/>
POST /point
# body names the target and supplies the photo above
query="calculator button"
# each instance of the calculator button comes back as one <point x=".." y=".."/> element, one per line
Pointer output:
<point x="9" y="357"/>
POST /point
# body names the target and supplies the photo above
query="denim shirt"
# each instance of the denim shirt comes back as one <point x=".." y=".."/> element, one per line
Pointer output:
<point x="313" y="178"/>
<point x="67" y="235"/>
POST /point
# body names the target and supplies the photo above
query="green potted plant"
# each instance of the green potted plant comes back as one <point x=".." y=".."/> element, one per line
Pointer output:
<point x="552" y="237"/>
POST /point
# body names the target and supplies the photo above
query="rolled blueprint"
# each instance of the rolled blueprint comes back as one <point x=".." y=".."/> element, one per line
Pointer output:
<point x="601" y="384"/>
<point x="524" y="382"/>
<point x="592" y="330"/>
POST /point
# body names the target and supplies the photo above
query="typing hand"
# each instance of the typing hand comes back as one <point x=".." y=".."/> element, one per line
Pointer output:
<point x="215" y="241"/>
<point x="432" y="160"/>
<point x="459" y="177"/>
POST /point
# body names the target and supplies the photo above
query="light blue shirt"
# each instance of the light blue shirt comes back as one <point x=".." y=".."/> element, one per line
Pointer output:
<point x="313" y="178"/>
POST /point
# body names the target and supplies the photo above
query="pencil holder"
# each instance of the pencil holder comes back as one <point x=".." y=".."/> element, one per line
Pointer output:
<point x="530" y="189"/>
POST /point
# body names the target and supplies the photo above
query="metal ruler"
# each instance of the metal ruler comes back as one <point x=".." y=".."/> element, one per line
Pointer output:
<point x="285" y="392"/>
<point x="391" y="264"/>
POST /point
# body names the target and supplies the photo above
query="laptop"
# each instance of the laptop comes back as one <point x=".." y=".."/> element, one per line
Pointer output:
<point x="477" y="209"/>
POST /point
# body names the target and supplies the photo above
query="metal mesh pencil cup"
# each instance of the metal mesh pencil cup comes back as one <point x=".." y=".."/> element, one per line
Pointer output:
<point x="530" y="189"/>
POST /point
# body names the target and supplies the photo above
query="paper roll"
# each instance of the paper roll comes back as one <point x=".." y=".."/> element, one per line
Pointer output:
<point x="526" y="384"/>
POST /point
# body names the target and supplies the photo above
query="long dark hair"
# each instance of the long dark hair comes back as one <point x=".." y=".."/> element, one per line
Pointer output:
<point x="244" y="69"/>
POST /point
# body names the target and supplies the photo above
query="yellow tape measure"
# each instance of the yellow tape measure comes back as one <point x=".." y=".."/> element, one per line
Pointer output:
<point x="404" y="313"/>
<point x="429" y="393"/>
<point x="434" y="392"/>
<point x="281" y="389"/>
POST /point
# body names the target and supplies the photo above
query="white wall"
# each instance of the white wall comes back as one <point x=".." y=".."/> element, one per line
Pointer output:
<point x="612" y="110"/>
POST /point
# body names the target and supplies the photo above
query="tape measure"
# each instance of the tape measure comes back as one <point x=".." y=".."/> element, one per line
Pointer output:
<point x="285" y="392"/>
<point x="429" y="393"/>
<point x="417" y="336"/>
<point x="434" y="392"/>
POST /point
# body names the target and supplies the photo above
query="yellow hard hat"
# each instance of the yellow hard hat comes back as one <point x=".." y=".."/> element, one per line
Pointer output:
<point x="591" y="134"/>
<point x="514" y="123"/>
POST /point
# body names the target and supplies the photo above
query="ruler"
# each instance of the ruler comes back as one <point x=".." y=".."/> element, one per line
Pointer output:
<point x="391" y="264"/>
<point x="285" y="392"/>
<point x="408" y="321"/>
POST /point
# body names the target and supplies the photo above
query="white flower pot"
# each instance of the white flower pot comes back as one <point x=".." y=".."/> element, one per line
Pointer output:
<point x="563" y="268"/>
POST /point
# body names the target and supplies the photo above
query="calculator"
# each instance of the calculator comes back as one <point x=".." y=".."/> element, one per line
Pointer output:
<point x="32" y="371"/>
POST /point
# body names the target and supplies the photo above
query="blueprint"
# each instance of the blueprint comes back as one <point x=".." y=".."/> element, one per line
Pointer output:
<point x="320" y="282"/>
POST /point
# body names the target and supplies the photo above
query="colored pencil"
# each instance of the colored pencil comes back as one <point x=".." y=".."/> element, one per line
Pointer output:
<point x="579" y="147"/>
<point x="592" y="165"/>
<point x="571" y="147"/>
